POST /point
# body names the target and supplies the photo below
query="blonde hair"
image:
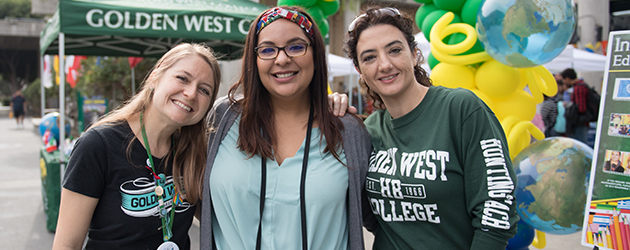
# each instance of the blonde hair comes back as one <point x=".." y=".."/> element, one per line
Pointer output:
<point x="189" y="158"/>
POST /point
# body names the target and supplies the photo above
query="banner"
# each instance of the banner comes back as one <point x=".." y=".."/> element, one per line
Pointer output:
<point x="607" y="217"/>
<point x="47" y="74"/>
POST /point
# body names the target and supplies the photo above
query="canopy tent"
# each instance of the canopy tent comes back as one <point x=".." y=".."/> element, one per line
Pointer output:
<point x="148" y="27"/>
<point x="142" y="28"/>
<point x="580" y="60"/>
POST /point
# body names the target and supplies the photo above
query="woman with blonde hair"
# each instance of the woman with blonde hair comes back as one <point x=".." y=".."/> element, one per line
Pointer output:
<point x="134" y="178"/>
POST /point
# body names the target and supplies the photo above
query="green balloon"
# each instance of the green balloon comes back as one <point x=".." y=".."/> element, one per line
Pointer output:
<point x="286" y="3"/>
<point x="423" y="12"/>
<point x="459" y="37"/>
<point x="432" y="61"/>
<point x="424" y="1"/>
<point x="323" y="28"/>
<point x="305" y="3"/>
<point x="450" y="5"/>
<point x="469" y="12"/>
<point x="316" y="13"/>
<point x="328" y="7"/>
<point x="428" y="22"/>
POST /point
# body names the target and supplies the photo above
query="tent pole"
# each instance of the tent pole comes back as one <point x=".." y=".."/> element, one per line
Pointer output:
<point x="133" y="82"/>
<point x="62" y="105"/>
<point x="42" y="91"/>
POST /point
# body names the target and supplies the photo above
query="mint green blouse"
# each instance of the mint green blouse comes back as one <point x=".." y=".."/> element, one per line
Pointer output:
<point x="235" y="193"/>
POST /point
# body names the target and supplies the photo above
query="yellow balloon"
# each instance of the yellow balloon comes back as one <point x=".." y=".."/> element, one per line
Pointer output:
<point x="520" y="104"/>
<point x="452" y="76"/>
<point x="497" y="80"/>
<point x="549" y="87"/>
<point x="519" y="136"/>
<point x="485" y="98"/>
<point x="444" y="52"/>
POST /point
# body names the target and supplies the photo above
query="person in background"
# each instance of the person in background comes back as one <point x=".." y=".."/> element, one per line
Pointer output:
<point x="440" y="175"/>
<point x="18" y="106"/>
<point x="579" y="97"/>
<point x="550" y="112"/>
<point x="283" y="172"/>
<point x="134" y="177"/>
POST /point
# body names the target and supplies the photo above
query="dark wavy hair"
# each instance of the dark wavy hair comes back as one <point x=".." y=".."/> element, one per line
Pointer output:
<point x="255" y="106"/>
<point x="374" y="17"/>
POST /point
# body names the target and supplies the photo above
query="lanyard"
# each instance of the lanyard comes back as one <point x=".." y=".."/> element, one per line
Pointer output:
<point x="263" y="189"/>
<point x="160" y="183"/>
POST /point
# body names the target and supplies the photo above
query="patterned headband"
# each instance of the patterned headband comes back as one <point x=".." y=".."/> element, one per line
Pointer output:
<point x="293" y="16"/>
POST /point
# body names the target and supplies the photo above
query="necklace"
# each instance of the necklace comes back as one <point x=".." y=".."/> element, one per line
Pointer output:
<point x="263" y="188"/>
<point x="160" y="184"/>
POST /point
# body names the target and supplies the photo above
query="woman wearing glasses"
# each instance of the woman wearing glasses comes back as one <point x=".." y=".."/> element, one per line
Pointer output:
<point x="283" y="172"/>
<point x="440" y="176"/>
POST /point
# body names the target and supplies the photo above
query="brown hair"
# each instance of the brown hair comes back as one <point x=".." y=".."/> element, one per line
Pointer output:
<point x="189" y="158"/>
<point x="257" y="115"/>
<point x="371" y="18"/>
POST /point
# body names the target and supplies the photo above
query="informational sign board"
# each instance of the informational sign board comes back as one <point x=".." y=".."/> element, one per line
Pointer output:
<point x="607" y="213"/>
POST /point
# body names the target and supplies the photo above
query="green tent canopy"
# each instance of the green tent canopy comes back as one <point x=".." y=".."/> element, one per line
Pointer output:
<point x="142" y="28"/>
<point x="148" y="28"/>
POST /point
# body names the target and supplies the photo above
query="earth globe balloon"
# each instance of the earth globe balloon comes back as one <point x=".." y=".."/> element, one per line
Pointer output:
<point x="50" y="122"/>
<point x="553" y="176"/>
<point x="525" y="33"/>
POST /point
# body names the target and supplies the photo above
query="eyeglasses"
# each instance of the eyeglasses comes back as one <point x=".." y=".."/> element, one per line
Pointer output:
<point x="291" y="50"/>
<point x="387" y="11"/>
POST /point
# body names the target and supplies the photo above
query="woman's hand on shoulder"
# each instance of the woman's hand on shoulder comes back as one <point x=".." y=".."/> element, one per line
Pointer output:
<point x="339" y="104"/>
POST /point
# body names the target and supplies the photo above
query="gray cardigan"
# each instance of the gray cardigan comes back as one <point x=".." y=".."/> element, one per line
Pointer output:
<point x="356" y="145"/>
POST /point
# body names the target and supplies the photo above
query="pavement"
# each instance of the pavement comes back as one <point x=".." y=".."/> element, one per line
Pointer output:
<point x="22" y="217"/>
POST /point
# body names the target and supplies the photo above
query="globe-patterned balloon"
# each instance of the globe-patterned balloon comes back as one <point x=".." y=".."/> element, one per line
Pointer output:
<point x="49" y="122"/>
<point x="525" y="33"/>
<point x="553" y="176"/>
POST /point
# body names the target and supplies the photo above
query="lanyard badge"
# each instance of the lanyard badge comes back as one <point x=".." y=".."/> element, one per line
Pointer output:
<point x="160" y="184"/>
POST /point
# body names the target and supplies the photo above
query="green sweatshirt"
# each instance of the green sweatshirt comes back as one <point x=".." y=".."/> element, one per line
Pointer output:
<point x="440" y="177"/>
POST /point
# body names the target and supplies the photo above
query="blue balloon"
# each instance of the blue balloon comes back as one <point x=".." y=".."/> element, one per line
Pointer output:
<point x="49" y="122"/>
<point x="524" y="237"/>
<point x="534" y="32"/>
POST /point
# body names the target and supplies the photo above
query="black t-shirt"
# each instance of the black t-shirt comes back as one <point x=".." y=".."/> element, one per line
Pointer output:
<point x="126" y="216"/>
<point x="18" y="102"/>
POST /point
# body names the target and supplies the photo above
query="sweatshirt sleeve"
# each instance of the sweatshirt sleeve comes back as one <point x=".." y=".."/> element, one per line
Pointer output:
<point x="489" y="180"/>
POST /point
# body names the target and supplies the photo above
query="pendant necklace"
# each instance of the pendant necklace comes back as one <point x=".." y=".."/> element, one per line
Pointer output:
<point x="160" y="184"/>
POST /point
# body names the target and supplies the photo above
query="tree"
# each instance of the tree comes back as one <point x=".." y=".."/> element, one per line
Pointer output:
<point x="16" y="9"/>
<point x="110" y="77"/>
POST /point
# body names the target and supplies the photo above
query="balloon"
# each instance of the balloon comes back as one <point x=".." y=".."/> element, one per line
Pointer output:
<point x="496" y="79"/>
<point x="469" y="12"/>
<point x="329" y="7"/>
<point x="423" y="12"/>
<point x="519" y="137"/>
<point x="433" y="17"/>
<point x="452" y="76"/>
<point x="287" y="3"/>
<point x="450" y="5"/>
<point x="432" y="61"/>
<point x="443" y="52"/>
<point x="424" y="1"/>
<point x="323" y="27"/>
<point x="519" y="104"/>
<point x="489" y="102"/>
<point x="524" y="236"/>
<point x="305" y="3"/>
<point x="525" y="35"/>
